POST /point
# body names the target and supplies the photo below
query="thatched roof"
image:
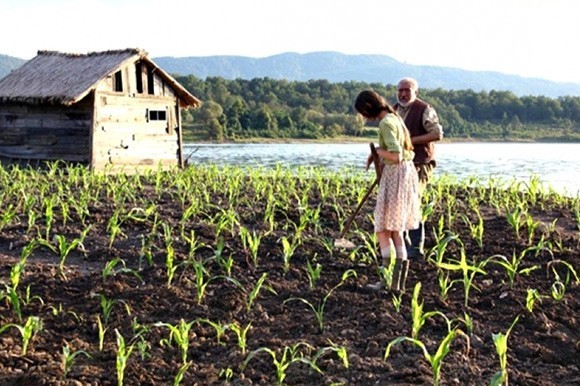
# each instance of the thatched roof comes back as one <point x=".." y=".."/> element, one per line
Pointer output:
<point x="60" y="78"/>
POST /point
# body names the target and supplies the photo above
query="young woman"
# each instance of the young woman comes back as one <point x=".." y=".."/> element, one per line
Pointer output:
<point x="397" y="208"/>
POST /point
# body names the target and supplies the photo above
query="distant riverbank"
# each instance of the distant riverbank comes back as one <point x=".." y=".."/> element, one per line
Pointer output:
<point x="366" y="139"/>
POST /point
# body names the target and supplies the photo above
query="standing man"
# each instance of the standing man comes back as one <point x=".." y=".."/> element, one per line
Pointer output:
<point x="423" y="124"/>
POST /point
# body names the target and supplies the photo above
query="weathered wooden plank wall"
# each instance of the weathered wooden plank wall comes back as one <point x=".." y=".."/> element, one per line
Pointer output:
<point x="124" y="136"/>
<point x="45" y="132"/>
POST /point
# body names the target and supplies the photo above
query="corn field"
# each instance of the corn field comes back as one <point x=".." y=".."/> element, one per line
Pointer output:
<point x="230" y="276"/>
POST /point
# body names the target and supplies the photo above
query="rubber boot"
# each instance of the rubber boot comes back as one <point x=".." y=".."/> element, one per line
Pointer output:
<point x="416" y="242"/>
<point x="403" y="275"/>
<point x="400" y="271"/>
<point x="396" y="278"/>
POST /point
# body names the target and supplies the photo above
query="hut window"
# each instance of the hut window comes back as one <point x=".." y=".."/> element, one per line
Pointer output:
<point x="150" y="82"/>
<point x="118" y="82"/>
<point x="157" y="115"/>
<point x="139" y="77"/>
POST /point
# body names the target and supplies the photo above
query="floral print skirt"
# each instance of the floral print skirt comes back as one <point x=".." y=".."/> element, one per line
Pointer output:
<point x="398" y="202"/>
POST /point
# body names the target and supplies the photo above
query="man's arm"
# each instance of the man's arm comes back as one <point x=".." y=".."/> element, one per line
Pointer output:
<point x="433" y="127"/>
<point x="431" y="136"/>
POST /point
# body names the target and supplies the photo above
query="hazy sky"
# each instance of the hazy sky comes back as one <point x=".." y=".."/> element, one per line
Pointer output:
<point x="531" y="38"/>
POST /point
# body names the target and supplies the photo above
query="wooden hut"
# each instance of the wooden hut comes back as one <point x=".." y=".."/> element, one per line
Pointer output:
<point x="113" y="110"/>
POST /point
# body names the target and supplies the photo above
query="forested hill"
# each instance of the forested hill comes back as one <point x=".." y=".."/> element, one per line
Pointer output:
<point x="318" y="109"/>
<point x="337" y="67"/>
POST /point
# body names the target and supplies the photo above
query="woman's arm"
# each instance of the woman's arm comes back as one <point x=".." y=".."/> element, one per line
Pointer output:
<point x="390" y="156"/>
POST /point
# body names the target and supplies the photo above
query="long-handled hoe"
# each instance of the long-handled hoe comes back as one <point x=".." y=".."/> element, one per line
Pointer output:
<point x="341" y="242"/>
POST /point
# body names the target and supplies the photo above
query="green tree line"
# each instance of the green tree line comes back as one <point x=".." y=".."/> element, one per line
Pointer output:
<point x="317" y="109"/>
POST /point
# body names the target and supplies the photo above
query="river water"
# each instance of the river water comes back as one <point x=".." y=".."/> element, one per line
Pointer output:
<point x="557" y="165"/>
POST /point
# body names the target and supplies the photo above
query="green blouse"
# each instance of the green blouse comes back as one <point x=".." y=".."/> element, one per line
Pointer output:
<point x="392" y="136"/>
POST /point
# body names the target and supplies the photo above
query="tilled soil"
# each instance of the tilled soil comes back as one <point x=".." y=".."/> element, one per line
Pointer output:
<point x="543" y="346"/>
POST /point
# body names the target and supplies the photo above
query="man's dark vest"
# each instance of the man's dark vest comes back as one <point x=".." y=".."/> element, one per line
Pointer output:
<point x="424" y="153"/>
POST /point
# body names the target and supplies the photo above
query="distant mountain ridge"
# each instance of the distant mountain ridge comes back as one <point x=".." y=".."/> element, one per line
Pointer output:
<point x="9" y="63"/>
<point x="338" y="67"/>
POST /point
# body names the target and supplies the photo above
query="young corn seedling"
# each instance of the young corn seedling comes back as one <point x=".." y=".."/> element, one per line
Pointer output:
<point x="339" y="350"/>
<point x="193" y="243"/>
<point x="13" y="298"/>
<point x="397" y="300"/>
<point x="31" y="222"/>
<point x="319" y="309"/>
<point x="122" y="357"/>
<point x="419" y="317"/>
<point x="468" y="272"/>
<point x="569" y="269"/>
<point x="577" y="216"/>
<point x="179" y="376"/>
<point x="227" y="375"/>
<point x="313" y="272"/>
<point x="256" y="290"/>
<point x="170" y="265"/>
<point x="241" y="335"/>
<point x="512" y="266"/>
<point x="435" y="359"/>
<point x="531" y="226"/>
<point x="64" y="210"/>
<point x="178" y="334"/>
<point x="109" y="269"/>
<point x="62" y="247"/>
<point x="11" y="293"/>
<point x="532" y="296"/>
<point x="18" y="268"/>
<point x="27" y="298"/>
<point x="515" y="218"/>
<point x="370" y="243"/>
<point x="328" y="244"/>
<point x="114" y="227"/>
<point x="445" y="284"/>
<point x="107" y="307"/>
<point x="451" y="211"/>
<point x="188" y="214"/>
<point x="558" y="288"/>
<point x="251" y="242"/>
<point x="146" y="251"/>
<point x="437" y="254"/>
<point x="219" y="328"/>
<point x="500" y="341"/>
<point x="49" y="204"/>
<point x="476" y="228"/>
<point x="8" y="215"/>
<point x="225" y="219"/>
<point x="290" y="355"/>
<point x="102" y="330"/>
<point x="68" y="358"/>
<point x="218" y="251"/>
<point x="467" y="322"/>
<point x="203" y="278"/>
<point x="439" y="231"/>
<point x="27" y="331"/>
<point x="143" y="346"/>
<point x="288" y="248"/>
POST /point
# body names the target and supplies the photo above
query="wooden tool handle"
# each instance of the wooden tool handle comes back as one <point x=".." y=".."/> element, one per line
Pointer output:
<point x="376" y="161"/>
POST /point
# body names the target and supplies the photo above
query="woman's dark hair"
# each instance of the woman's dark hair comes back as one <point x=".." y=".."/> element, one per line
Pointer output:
<point x="369" y="104"/>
